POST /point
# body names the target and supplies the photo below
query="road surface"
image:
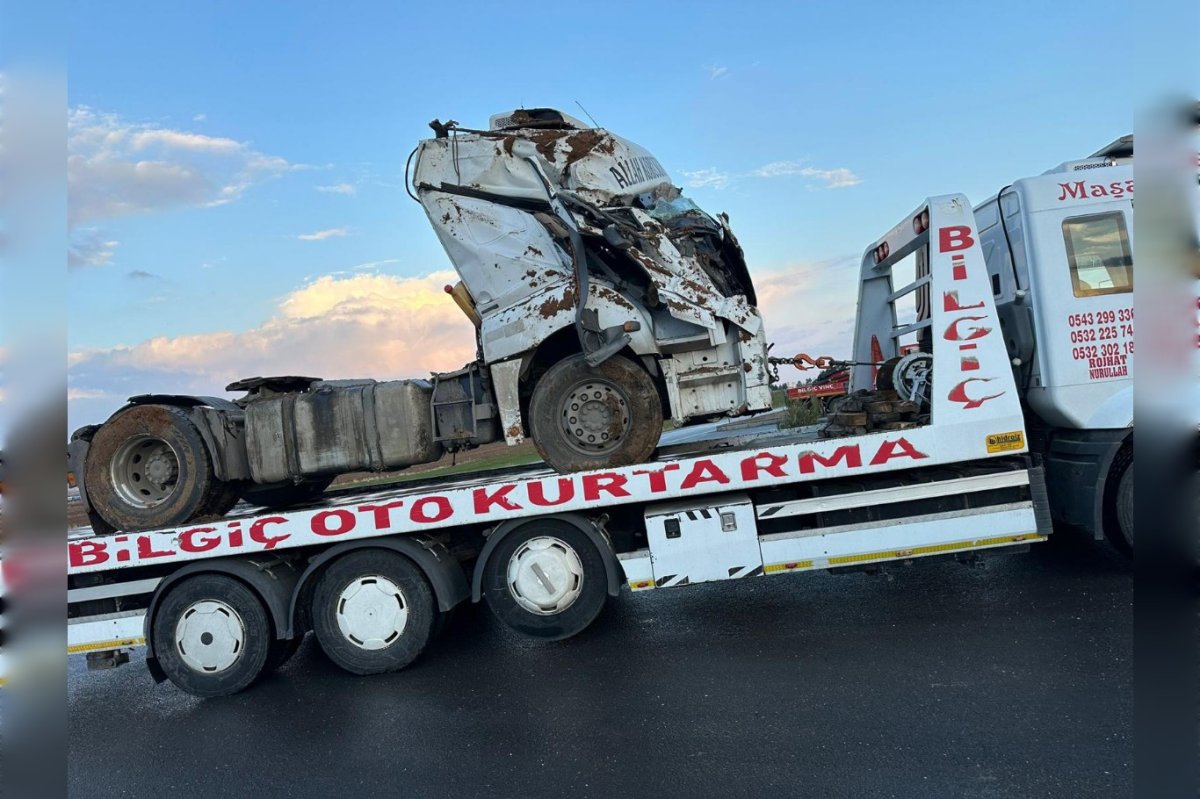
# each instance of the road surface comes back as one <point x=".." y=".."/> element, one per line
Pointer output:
<point x="1012" y="680"/>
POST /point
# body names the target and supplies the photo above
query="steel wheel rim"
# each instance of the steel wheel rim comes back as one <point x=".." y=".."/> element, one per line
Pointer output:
<point x="371" y="612"/>
<point x="595" y="417"/>
<point x="545" y="575"/>
<point x="145" y="471"/>
<point x="210" y="636"/>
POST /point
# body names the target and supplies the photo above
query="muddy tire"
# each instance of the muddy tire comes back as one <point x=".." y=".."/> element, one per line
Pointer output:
<point x="222" y="499"/>
<point x="148" y="468"/>
<point x="584" y="417"/>
<point x="287" y="496"/>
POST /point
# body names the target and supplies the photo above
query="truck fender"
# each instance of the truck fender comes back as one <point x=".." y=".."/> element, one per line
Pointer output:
<point x="1078" y="465"/>
<point x="611" y="567"/>
<point x="210" y="416"/>
<point x="273" y="579"/>
<point x="439" y="566"/>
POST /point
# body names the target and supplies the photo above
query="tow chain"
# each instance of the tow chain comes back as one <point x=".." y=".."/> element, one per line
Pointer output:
<point x="803" y="361"/>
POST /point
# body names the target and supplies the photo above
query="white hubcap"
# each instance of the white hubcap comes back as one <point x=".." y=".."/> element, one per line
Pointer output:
<point x="209" y="636"/>
<point x="545" y="576"/>
<point x="371" y="612"/>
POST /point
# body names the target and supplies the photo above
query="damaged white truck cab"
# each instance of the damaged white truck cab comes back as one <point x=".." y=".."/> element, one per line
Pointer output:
<point x="603" y="298"/>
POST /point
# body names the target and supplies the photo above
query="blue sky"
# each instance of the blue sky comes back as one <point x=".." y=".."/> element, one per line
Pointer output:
<point x="280" y="133"/>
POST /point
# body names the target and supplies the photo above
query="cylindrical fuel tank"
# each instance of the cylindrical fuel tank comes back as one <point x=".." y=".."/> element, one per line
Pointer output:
<point x="341" y="426"/>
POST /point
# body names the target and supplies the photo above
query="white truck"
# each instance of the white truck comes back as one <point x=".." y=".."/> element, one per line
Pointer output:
<point x="603" y="300"/>
<point x="1002" y="306"/>
<point x="219" y="603"/>
<point x="1059" y="255"/>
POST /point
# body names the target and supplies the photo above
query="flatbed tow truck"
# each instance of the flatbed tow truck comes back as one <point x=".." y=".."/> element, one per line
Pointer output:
<point x="373" y="572"/>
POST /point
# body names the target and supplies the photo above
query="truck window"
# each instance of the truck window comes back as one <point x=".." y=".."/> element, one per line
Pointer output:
<point x="1098" y="254"/>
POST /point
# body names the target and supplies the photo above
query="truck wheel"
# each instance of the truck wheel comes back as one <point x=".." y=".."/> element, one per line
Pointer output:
<point x="885" y="375"/>
<point x="288" y="495"/>
<point x="1125" y="507"/>
<point x="584" y="417"/>
<point x="211" y="635"/>
<point x="148" y="468"/>
<point x="1118" y="502"/>
<point x="546" y="580"/>
<point x="222" y="498"/>
<point x="1121" y="518"/>
<point x="373" y="611"/>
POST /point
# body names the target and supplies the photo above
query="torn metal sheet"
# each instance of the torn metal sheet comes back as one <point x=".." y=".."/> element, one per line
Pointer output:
<point x="545" y="218"/>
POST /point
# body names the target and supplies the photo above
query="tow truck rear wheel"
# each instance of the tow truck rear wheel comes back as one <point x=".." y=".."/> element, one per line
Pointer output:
<point x="211" y="635"/>
<point x="1118" y="512"/>
<point x="373" y="611"/>
<point x="148" y="467"/>
<point x="595" y="417"/>
<point x="546" y="579"/>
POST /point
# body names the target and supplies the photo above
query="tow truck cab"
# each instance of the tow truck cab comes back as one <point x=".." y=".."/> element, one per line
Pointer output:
<point x="1059" y="253"/>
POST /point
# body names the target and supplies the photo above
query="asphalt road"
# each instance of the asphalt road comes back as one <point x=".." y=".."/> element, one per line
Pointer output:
<point x="1012" y="680"/>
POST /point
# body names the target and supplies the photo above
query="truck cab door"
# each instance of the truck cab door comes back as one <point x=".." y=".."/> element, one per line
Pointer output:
<point x="1082" y="272"/>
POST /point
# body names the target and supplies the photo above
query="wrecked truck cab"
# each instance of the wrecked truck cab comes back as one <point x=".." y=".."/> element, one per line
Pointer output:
<point x="604" y="301"/>
<point x="573" y="243"/>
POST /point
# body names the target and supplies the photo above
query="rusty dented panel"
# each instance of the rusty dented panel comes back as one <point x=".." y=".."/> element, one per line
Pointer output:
<point x="332" y="429"/>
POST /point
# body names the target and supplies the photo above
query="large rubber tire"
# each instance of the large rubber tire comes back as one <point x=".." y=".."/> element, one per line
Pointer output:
<point x="287" y="496"/>
<point x="352" y="623"/>
<point x="1118" y="502"/>
<point x="1125" y="509"/>
<point x="885" y="375"/>
<point x="222" y="500"/>
<point x="166" y="442"/>
<point x="624" y="418"/>
<point x="221" y="603"/>
<point x="512" y="558"/>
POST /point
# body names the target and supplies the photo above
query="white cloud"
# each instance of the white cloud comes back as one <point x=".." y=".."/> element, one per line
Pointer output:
<point x="90" y="247"/>
<point x="708" y="178"/>
<point x="178" y="140"/>
<point x="77" y="394"/>
<point x="779" y="168"/>
<point x="716" y="72"/>
<point x="714" y="178"/>
<point x="338" y="188"/>
<point x="838" y="178"/>
<point x="809" y="307"/>
<point x="199" y="117"/>
<point x="369" y="265"/>
<point x="364" y="325"/>
<point x="834" y="178"/>
<point x="321" y="235"/>
<point x="117" y="168"/>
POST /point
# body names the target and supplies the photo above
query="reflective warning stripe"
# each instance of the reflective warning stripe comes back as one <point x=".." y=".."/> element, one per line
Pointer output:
<point x="933" y="549"/>
<point x="792" y="565"/>
<point x="120" y="643"/>
<point x="639" y="585"/>
<point x="894" y="554"/>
